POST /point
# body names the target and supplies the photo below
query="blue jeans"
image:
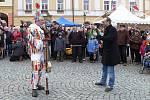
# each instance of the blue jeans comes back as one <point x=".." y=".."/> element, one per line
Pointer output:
<point x="108" y="71"/>
<point x="9" y="49"/>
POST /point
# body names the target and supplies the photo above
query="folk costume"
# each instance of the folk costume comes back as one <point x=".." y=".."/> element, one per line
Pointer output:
<point x="36" y="52"/>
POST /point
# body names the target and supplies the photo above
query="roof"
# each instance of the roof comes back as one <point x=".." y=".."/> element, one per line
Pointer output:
<point x="123" y="15"/>
<point x="64" y="22"/>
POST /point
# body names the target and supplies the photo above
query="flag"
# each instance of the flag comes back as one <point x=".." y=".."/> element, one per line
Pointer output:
<point x="135" y="7"/>
<point x="113" y="7"/>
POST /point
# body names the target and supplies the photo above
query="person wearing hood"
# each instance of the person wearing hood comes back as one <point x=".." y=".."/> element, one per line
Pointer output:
<point x="60" y="46"/>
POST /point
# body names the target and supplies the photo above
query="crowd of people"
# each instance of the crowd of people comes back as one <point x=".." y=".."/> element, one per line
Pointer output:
<point x="89" y="41"/>
<point x="83" y="42"/>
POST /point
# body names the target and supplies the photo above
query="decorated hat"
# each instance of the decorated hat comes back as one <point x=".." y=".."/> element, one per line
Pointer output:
<point x="35" y="30"/>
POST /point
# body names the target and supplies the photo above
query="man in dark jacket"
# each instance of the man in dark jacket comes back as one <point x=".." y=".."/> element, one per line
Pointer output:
<point x="110" y="55"/>
<point x="76" y="41"/>
<point x="123" y="40"/>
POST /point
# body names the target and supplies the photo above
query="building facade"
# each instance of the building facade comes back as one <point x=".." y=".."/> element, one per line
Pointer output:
<point x="82" y="10"/>
<point x="6" y="11"/>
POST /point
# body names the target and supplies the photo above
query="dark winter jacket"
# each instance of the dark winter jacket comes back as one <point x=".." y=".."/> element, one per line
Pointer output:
<point x="123" y="37"/>
<point x="8" y="37"/>
<point x="135" y="42"/>
<point x="110" y="55"/>
<point x="18" y="49"/>
<point x="76" y="38"/>
<point x="60" y="44"/>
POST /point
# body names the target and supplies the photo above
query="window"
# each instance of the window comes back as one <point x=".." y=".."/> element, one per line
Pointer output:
<point x="28" y="5"/>
<point x="2" y="0"/>
<point x="132" y="4"/>
<point x="60" y="5"/>
<point x="113" y="5"/>
<point x="44" y="4"/>
<point x="106" y="5"/>
<point x="86" y="4"/>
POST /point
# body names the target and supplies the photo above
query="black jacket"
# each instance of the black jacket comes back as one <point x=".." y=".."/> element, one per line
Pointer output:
<point x="110" y="55"/>
<point x="76" y="38"/>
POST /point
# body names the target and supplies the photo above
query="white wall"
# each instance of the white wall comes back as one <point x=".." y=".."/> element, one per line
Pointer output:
<point x="68" y="7"/>
<point x="6" y="3"/>
<point x="20" y="8"/>
<point x="97" y="4"/>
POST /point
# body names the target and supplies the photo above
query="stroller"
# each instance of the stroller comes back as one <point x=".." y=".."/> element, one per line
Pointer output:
<point x="146" y="59"/>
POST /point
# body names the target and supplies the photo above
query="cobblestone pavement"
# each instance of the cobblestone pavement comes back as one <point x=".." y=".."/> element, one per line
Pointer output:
<point x="73" y="81"/>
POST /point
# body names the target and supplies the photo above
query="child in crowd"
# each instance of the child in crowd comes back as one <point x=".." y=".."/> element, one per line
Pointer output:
<point x="92" y="48"/>
<point x="60" y="47"/>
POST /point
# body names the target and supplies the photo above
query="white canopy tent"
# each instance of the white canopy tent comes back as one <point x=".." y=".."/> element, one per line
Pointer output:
<point x="147" y="20"/>
<point x="98" y="20"/>
<point x="123" y="15"/>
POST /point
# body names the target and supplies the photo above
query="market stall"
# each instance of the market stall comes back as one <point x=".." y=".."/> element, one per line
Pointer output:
<point x="66" y="23"/>
<point x="123" y="15"/>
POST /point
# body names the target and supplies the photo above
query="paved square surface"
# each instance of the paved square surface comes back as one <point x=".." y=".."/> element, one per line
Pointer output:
<point x="73" y="81"/>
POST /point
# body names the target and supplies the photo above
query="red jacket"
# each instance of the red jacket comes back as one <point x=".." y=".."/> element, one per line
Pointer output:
<point x="17" y="35"/>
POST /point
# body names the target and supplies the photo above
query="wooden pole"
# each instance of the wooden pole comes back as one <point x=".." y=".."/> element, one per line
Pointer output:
<point x="144" y="8"/>
<point x="46" y="65"/>
<point x="73" y="10"/>
<point x="12" y="12"/>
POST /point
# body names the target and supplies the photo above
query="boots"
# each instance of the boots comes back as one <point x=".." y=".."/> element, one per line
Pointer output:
<point x="34" y="93"/>
<point x="40" y="87"/>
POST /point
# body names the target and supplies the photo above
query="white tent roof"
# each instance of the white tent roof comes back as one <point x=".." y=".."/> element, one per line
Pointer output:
<point x="98" y="20"/>
<point x="122" y="15"/>
<point x="147" y="20"/>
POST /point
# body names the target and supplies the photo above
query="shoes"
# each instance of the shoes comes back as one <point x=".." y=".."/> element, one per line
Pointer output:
<point x="73" y="61"/>
<point x="40" y="87"/>
<point x="108" y="89"/>
<point x="34" y="93"/>
<point x="100" y="84"/>
<point x="80" y="61"/>
<point x="20" y="58"/>
<point x="54" y="58"/>
<point x="124" y="64"/>
<point x="121" y="62"/>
